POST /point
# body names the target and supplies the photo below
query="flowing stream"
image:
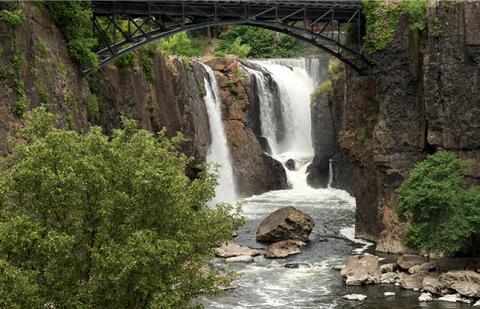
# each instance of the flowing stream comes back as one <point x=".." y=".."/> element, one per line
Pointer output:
<point x="272" y="283"/>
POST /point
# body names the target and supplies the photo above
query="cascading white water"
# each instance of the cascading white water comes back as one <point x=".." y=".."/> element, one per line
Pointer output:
<point x="295" y="86"/>
<point x="219" y="152"/>
<point x="330" y="173"/>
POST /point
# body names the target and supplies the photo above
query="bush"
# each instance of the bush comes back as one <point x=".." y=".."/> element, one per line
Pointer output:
<point x="91" y="221"/>
<point x="12" y="18"/>
<point x="441" y="213"/>
<point x="95" y="107"/>
<point x="125" y="61"/>
<point x="236" y="48"/>
<point x="73" y="17"/>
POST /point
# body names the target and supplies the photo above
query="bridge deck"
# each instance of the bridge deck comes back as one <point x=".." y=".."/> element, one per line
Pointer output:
<point x="231" y="8"/>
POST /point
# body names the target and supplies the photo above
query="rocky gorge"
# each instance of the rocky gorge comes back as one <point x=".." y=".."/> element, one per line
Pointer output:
<point x="307" y="166"/>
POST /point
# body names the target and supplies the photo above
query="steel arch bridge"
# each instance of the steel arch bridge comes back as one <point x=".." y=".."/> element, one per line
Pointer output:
<point x="123" y="26"/>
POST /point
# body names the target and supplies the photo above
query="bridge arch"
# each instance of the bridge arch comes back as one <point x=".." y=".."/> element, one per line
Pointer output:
<point x="239" y="12"/>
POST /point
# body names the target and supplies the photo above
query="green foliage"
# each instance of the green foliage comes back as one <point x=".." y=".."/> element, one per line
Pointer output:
<point x="235" y="48"/>
<point x="263" y="43"/>
<point x="73" y="17"/>
<point x="92" y="221"/>
<point x="125" y="61"/>
<point x="146" y="63"/>
<point x="95" y="106"/>
<point x="22" y="102"/>
<point x="44" y="96"/>
<point x="41" y="49"/>
<point x="334" y="68"/>
<point x="441" y="213"/>
<point x="437" y="27"/>
<point x="229" y="83"/>
<point x="179" y="44"/>
<point x="12" y="18"/>
<point x="383" y="17"/>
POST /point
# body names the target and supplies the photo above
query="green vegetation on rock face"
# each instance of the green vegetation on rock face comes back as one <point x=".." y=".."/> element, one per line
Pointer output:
<point x="441" y="213"/>
<point x="383" y="17"/>
<point x="73" y="17"/>
<point x="91" y="221"/>
<point x="12" y="18"/>
<point x="180" y="45"/>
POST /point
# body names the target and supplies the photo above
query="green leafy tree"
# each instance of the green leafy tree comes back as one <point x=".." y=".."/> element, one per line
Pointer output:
<point x="263" y="43"/>
<point x="91" y="221"/>
<point x="179" y="44"/>
<point x="441" y="213"/>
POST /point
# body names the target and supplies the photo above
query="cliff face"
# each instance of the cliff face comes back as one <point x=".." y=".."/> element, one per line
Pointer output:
<point x="255" y="172"/>
<point x="326" y="120"/>
<point x="421" y="96"/>
<point x="171" y="100"/>
<point x="35" y="69"/>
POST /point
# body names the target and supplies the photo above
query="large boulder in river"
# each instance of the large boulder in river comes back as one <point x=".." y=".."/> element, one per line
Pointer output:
<point x="284" y="224"/>
<point x="284" y="248"/>
<point x="362" y="270"/>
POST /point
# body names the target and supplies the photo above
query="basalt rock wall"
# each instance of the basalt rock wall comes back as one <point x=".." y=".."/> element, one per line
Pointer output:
<point x="421" y="96"/>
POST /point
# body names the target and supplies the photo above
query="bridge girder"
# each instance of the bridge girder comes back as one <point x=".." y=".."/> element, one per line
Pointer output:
<point x="319" y="22"/>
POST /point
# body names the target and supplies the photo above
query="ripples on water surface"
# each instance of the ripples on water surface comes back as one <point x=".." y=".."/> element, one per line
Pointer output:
<point x="267" y="283"/>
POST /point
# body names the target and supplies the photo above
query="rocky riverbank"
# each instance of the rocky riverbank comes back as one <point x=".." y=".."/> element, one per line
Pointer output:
<point x="446" y="279"/>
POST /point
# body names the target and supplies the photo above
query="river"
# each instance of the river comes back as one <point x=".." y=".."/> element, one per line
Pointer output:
<point x="269" y="283"/>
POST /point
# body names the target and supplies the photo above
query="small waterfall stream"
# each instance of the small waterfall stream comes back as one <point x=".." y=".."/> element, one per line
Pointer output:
<point x="219" y="152"/>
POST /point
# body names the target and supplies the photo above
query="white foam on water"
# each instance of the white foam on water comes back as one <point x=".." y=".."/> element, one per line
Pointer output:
<point x="349" y="233"/>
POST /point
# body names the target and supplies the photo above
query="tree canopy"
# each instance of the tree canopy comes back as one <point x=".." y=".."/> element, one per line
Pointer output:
<point x="92" y="221"/>
<point x="441" y="213"/>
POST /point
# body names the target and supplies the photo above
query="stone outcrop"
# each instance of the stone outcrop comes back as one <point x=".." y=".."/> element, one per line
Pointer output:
<point x="255" y="172"/>
<point x="231" y="249"/>
<point x="421" y="96"/>
<point x="362" y="270"/>
<point x="284" y="248"/>
<point x="285" y="224"/>
<point x="407" y="261"/>
<point x="325" y="132"/>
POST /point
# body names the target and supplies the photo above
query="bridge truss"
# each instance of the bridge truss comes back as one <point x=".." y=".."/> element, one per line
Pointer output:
<point x="123" y="26"/>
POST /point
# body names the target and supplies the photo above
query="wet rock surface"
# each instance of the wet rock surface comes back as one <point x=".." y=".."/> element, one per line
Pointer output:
<point x="361" y="270"/>
<point x="285" y="224"/>
<point x="284" y="248"/>
<point x="231" y="249"/>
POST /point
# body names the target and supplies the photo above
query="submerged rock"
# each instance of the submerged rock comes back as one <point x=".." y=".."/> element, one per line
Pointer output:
<point x="297" y="265"/>
<point x="338" y="267"/>
<point x="406" y="261"/>
<point x="424" y="297"/>
<point x="231" y="249"/>
<point x="362" y="270"/>
<point x="284" y="248"/>
<point x="285" y="224"/>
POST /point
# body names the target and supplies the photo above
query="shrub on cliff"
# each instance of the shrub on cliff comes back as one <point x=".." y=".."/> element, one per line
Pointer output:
<point x="91" y="221"/>
<point x="441" y="213"/>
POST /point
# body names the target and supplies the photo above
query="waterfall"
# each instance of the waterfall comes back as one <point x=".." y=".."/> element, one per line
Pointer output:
<point x="295" y="85"/>
<point x="330" y="173"/>
<point x="219" y="152"/>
